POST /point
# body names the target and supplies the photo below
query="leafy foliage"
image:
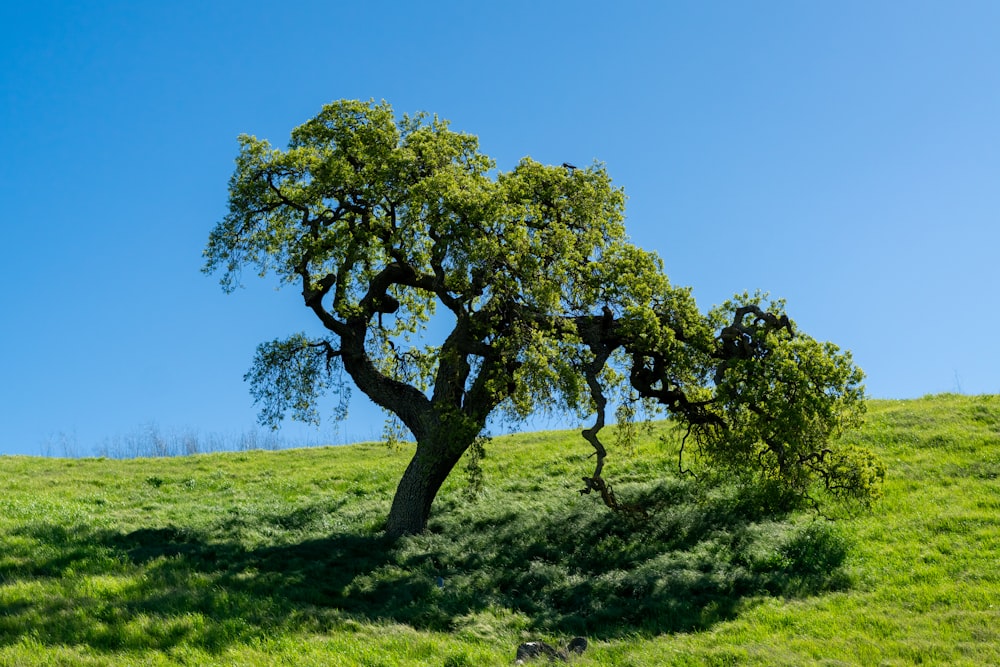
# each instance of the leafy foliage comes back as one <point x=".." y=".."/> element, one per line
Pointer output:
<point x="382" y="221"/>
<point x="286" y="372"/>
<point x="785" y="396"/>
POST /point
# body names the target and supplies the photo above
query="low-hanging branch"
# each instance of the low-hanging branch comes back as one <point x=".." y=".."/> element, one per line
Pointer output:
<point x="745" y="338"/>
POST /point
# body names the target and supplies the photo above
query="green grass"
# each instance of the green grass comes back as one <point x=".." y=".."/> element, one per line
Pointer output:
<point x="274" y="558"/>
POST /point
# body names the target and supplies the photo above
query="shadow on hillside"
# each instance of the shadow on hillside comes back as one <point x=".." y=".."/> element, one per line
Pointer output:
<point x="575" y="571"/>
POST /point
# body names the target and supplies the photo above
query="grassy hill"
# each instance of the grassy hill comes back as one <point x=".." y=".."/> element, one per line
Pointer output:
<point x="274" y="558"/>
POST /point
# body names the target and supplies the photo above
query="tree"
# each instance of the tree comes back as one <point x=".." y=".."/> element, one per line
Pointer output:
<point x="390" y="225"/>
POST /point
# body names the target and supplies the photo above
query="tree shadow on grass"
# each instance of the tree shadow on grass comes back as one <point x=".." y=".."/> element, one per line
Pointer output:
<point x="568" y="570"/>
<point x="157" y="588"/>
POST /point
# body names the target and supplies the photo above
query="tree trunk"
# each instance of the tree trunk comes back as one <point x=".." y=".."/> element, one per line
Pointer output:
<point x="422" y="479"/>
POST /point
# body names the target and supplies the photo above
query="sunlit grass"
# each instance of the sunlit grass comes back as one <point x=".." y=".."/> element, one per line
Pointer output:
<point x="276" y="558"/>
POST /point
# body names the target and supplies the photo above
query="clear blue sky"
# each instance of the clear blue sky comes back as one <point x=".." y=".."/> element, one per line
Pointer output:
<point x="843" y="155"/>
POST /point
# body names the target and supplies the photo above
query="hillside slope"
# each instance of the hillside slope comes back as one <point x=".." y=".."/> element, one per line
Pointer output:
<point x="275" y="558"/>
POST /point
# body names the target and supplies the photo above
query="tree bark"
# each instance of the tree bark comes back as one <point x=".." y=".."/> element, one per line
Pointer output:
<point x="420" y="483"/>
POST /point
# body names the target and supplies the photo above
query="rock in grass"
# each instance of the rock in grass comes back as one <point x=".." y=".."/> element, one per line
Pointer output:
<point x="577" y="645"/>
<point x="532" y="650"/>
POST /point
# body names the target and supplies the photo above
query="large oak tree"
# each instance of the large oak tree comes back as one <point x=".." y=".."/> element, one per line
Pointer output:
<point x="387" y="226"/>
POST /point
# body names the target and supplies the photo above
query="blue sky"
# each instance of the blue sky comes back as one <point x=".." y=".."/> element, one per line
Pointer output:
<point x="842" y="155"/>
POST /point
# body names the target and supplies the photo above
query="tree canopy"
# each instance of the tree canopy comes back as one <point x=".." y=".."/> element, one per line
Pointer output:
<point x="395" y="229"/>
